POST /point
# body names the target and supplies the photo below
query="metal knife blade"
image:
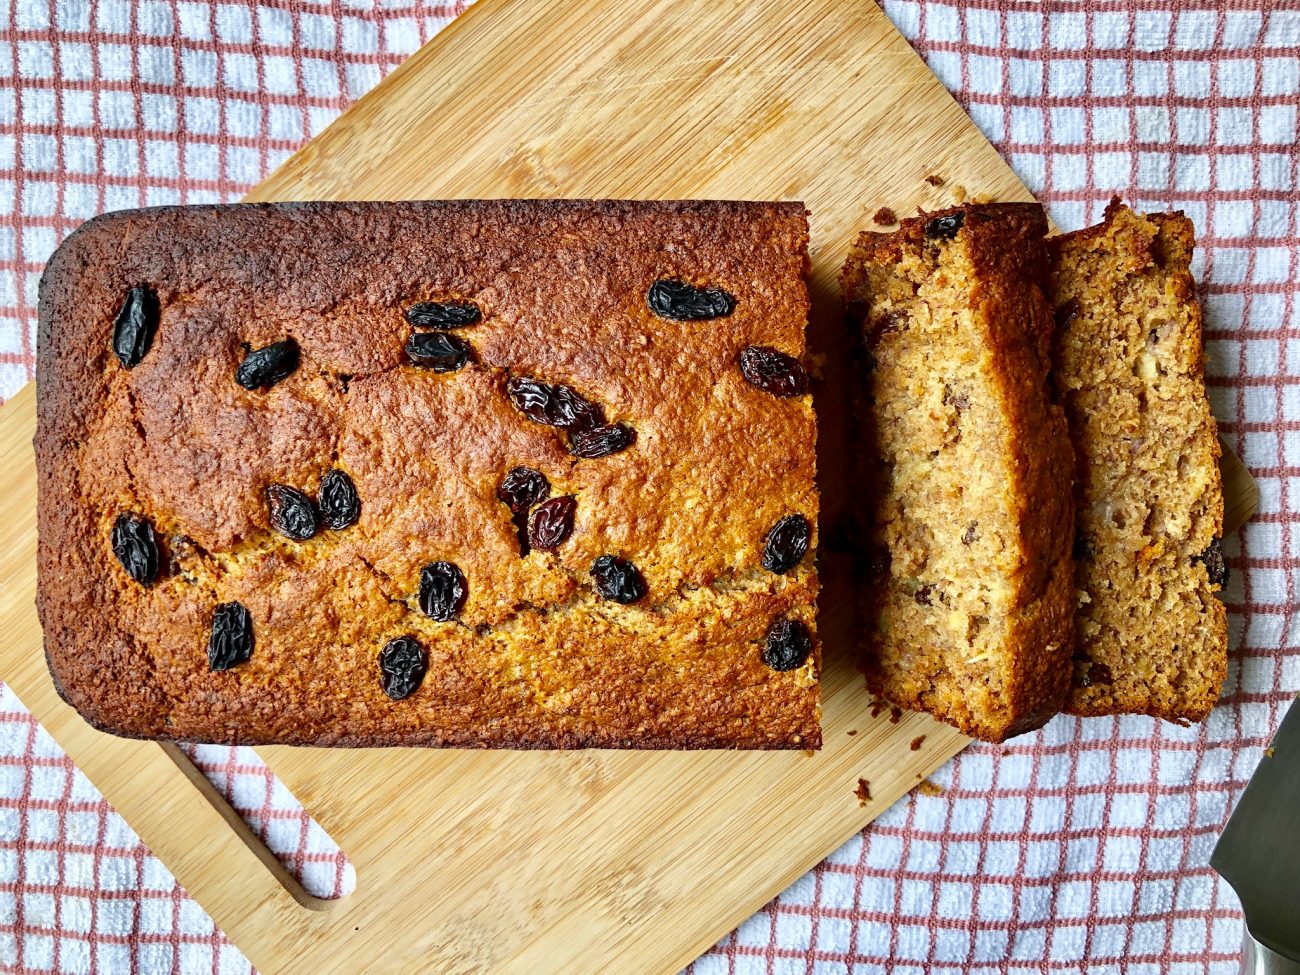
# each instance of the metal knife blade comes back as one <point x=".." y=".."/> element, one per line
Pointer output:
<point x="1259" y="851"/>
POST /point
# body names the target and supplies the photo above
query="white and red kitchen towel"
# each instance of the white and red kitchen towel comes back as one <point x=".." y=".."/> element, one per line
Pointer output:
<point x="1081" y="847"/>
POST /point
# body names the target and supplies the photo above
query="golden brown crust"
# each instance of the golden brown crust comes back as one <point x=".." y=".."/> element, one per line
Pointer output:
<point x="1130" y="364"/>
<point x="968" y="597"/>
<point x="537" y="659"/>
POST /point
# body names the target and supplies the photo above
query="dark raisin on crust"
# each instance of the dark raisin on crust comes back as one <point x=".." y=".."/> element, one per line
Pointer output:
<point x="136" y="547"/>
<point x="402" y="665"/>
<point x="339" y="504"/>
<point x="553" y="404"/>
<point x="618" y="579"/>
<point x="551" y="523"/>
<point x="263" y="368"/>
<point x="442" y="591"/>
<point x="291" y="512"/>
<point x="519" y="490"/>
<point x="443" y="314"/>
<point x="523" y="487"/>
<point x="1215" y="566"/>
<point x="601" y="441"/>
<point x="786" y="543"/>
<point x="788" y="644"/>
<point x="438" y="351"/>
<point x="683" y="302"/>
<point x="924" y="595"/>
<point x="945" y="228"/>
<point x="231" y="641"/>
<point x="134" y="327"/>
<point x="773" y="371"/>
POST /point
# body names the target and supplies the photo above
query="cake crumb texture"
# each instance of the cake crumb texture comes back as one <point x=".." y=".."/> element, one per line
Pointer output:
<point x="1152" y="636"/>
<point x="694" y="468"/>
<point x="967" y="579"/>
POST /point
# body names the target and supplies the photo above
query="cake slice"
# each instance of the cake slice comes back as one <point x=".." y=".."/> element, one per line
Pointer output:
<point x="967" y="588"/>
<point x="1152" y="637"/>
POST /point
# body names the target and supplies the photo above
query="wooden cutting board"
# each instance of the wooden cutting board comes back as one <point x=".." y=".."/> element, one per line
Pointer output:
<point x="596" y="861"/>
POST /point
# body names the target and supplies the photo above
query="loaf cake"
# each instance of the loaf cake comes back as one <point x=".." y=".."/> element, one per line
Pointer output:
<point x="484" y="473"/>
<point x="966" y="588"/>
<point x="1152" y="636"/>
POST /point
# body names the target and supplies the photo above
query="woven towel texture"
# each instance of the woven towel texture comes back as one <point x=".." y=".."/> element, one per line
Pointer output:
<point x="1082" y="847"/>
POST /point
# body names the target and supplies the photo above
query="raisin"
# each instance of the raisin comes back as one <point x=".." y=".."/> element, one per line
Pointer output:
<point x="891" y="321"/>
<point x="1094" y="672"/>
<point x="134" y="327"/>
<point x="876" y="563"/>
<point x="972" y="533"/>
<point x="443" y="314"/>
<point x="136" y="548"/>
<point x="553" y="404"/>
<point x="292" y="513"/>
<point x="924" y="595"/>
<point x="438" y="351"/>
<point x="264" y="367"/>
<point x="402" y="666"/>
<point x="601" y="441"/>
<point x="1066" y="313"/>
<point x="231" y="640"/>
<point x="551" y="523"/>
<point x="786" y="543"/>
<point x="522" y="488"/>
<point x="618" y="579"/>
<point x="788" y="644"/>
<point x="442" y="591"/>
<point x="684" y="302"/>
<point x="945" y="228"/>
<point x="340" y="507"/>
<point x="772" y="371"/>
<point x="1215" y="566"/>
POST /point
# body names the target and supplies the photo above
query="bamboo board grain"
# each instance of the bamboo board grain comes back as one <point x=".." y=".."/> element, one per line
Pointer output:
<point x="597" y="861"/>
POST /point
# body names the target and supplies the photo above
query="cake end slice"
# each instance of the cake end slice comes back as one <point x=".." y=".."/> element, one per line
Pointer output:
<point x="1152" y="636"/>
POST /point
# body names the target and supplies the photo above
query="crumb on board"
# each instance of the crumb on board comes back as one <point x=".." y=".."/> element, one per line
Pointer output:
<point x="884" y="217"/>
<point x="934" y="179"/>
<point x="877" y="708"/>
<point x="959" y="193"/>
<point x="916" y="743"/>
<point x="931" y="789"/>
<point x="852" y="732"/>
<point x="809" y="753"/>
<point x="863" y="792"/>
<point x="895" y="715"/>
